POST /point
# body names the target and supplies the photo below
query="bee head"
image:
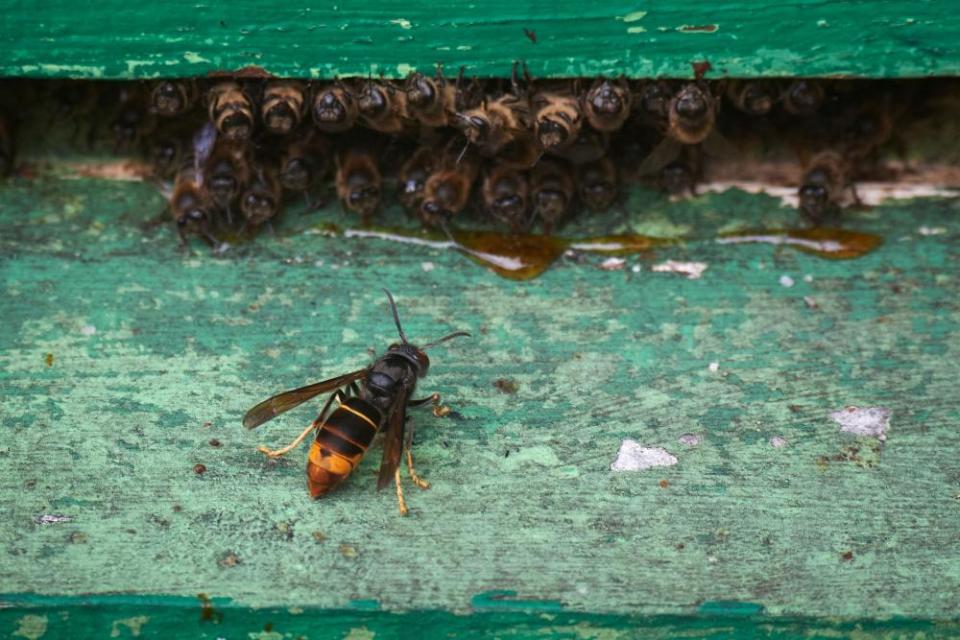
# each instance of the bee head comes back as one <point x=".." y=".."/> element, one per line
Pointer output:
<point x="552" y="133"/>
<point x="372" y="101"/>
<point x="168" y="98"/>
<point x="421" y="92"/>
<point x="281" y="118"/>
<point x="606" y="99"/>
<point x="691" y="103"/>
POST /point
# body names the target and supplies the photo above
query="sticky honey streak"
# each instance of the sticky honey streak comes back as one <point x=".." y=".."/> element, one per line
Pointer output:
<point x="526" y="256"/>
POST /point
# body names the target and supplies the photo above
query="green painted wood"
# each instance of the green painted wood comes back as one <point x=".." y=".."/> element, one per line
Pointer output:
<point x="166" y="617"/>
<point x="113" y="39"/>
<point x="152" y="355"/>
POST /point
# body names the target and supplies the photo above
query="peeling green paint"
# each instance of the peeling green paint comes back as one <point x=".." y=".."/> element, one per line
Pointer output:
<point x="894" y="39"/>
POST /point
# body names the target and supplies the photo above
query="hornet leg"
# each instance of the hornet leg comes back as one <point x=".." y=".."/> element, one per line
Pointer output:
<point x="402" y="503"/>
<point x="276" y="453"/>
<point x="408" y="446"/>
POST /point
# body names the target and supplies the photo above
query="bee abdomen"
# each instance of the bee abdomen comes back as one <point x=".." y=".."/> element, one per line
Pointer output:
<point x="340" y="445"/>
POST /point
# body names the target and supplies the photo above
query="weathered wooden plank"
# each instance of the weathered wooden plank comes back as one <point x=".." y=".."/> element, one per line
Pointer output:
<point x="112" y="39"/>
<point x="153" y="355"/>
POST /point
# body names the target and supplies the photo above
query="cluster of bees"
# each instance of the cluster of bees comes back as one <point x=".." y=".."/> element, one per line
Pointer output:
<point x="525" y="153"/>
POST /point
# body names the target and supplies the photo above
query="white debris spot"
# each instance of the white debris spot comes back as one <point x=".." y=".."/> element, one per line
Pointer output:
<point x="872" y="421"/>
<point x="427" y="266"/>
<point x="786" y="281"/>
<point x="931" y="231"/>
<point x="714" y="367"/>
<point x="613" y="264"/>
<point x="808" y="278"/>
<point x="690" y="439"/>
<point x="778" y="441"/>
<point x="692" y="270"/>
<point x="403" y="23"/>
<point x="52" y="518"/>
<point x="633" y="457"/>
<point x="88" y="329"/>
<point x="810" y="302"/>
<point x="636" y="268"/>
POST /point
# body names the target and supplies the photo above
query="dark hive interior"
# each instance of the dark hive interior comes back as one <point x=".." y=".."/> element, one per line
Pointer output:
<point x="518" y="155"/>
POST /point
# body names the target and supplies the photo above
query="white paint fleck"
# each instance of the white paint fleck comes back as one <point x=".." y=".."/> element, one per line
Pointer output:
<point x="52" y="518"/>
<point x="871" y="421"/>
<point x="402" y="22"/>
<point x="88" y="329"/>
<point x="692" y="270"/>
<point x="427" y="266"/>
<point x="714" y="366"/>
<point x="633" y="16"/>
<point x="786" y="281"/>
<point x="404" y="69"/>
<point x="636" y="268"/>
<point x="193" y="57"/>
<point x="613" y="264"/>
<point x="636" y="29"/>
<point x="690" y="439"/>
<point x="634" y="457"/>
<point x="808" y="278"/>
<point x="931" y="231"/>
<point x="778" y="441"/>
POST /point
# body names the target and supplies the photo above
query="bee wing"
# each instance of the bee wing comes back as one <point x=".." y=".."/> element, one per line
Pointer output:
<point x="393" y="439"/>
<point x="718" y="146"/>
<point x="663" y="154"/>
<point x="275" y="405"/>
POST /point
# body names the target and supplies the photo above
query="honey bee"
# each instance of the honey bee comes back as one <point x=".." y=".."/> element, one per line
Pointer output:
<point x="557" y="120"/>
<point x="680" y="177"/>
<point x="752" y="97"/>
<point x="867" y="130"/>
<point x="497" y="123"/>
<point x="172" y="98"/>
<point x="131" y="122"/>
<point x="369" y="400"/>
<point x="447" y="190"/>
<point x="304" y="164"/>
<point x="226" y="174"/>
<point x="654" y="100"/>
<point x="358" y="181"/>
<point x="383" y="107"/>
<point x="283" y="106"/>
<point x="413" y="176"/>
<point x="606" y="105"/>
<point x="597" y="184"/>
<point x="506" y="195"/>
<point x="803" y="97"/>
<point x="261" y="200"/>
<point x="231" y="110"/>
<point x="432" y="101"/>
<point x="552" y="189"/>
<point x="826" y="188"/>
<point x="691" y="120"/>
<point x="589" y="146"/>
<point x="190" y="205"/>
<point x="166" y="154"/>
<point x="335" y="108"/>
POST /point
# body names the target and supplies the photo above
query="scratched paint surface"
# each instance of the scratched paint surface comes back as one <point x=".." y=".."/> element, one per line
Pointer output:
<point x="123" y="363"/>
<point x="104" y="39"/>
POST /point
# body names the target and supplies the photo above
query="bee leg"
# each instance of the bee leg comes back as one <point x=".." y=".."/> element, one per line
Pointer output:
<point x="401" y="502"/>
<point x="318" y="422"/>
